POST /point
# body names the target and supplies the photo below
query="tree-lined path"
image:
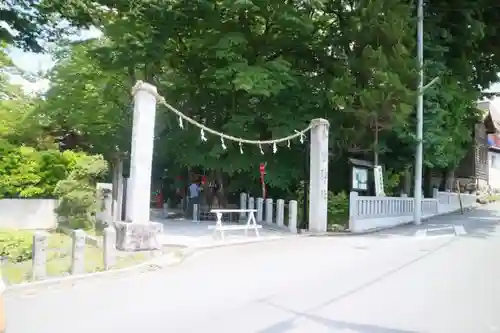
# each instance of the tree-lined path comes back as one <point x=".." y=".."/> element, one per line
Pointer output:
<point x="392" y="282"/>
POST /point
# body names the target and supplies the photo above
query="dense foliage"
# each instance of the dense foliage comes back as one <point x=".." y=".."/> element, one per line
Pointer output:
<point x="262" y="69"/>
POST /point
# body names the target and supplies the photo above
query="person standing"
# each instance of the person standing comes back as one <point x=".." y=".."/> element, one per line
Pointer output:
<point x="194" y="198"/>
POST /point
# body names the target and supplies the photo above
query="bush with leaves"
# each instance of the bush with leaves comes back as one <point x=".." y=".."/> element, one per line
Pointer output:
<point x="28" y="173"/>
<point x="338" y="209"/>
<point x="77" y="193"/>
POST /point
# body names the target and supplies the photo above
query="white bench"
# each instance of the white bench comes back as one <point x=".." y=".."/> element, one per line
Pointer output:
<point x="251" y="222"/>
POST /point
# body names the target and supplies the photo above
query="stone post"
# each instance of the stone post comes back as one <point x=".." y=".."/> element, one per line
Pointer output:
<point x="39" y="262"/>
<point x="141" y="157"/>
<point x="269" y="211"/>
<point x="318" y="176"/>
<point x="260" y="210"/>
<point x="141" y="234"/>
<point x="251" y="203"/>
<point x="78" y="254"/>
<point x="280" y="212"/>
<point x="292" y="216"/>
<point x="109" y="247"/>
<point x="243" y="204"/>
<point x="353" y="210"/>
<point x="196" y="210"/>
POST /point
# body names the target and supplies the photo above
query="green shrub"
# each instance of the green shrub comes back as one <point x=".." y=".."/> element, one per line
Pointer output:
<point x="77" y="193"/>
<point x="16" y="246"/>
<point x="338" y="209"/>
<point x="28" y="173"/>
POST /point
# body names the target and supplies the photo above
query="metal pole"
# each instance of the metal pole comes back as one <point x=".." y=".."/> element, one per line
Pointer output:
<point x="417" y="197"/>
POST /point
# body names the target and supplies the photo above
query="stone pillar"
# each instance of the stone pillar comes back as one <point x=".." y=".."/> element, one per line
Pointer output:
<point x="280" y="212"/>
<point x="40" y="243"/>
<point x="78" y="254"/>
<point x="251" y="203"/>
<point x="109" y="247"/>
<point x="353" y="210"/>
<point x="141" y="157"/>
<point x="318" y="176"/>
<point x="141" y="234"/>
<point x="243" y="204"/>
<point x="260" y="209"/>
<point x="269" y="211"/>
<point x="292" y="216"/>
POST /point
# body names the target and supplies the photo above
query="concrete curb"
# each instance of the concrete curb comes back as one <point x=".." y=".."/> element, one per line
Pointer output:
<point x="167" y="260"/>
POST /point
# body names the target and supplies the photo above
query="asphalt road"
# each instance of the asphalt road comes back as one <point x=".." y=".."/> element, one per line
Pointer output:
<point x="425" y="279"/>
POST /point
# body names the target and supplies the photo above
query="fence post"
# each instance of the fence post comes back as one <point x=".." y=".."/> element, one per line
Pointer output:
<point x="435" y="193"/>
<point x="196" y="213"/>
<point x="109" y="247"/>
<point x="280" y="212"/>
<point x="165" y="209"/>
<point x="260" y="209"/>
<point x="269" y="211"/>
<point x="243" y="204"/>
<point x="251" y="203"/>
<point x="292" y="216"/>
<point x="78" y="254"/>
<point x="39" y="262"/>
<point x="353" y="210"/>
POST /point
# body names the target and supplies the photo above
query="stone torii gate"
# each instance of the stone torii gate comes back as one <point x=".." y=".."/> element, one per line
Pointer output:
<point x="139" y="233"/>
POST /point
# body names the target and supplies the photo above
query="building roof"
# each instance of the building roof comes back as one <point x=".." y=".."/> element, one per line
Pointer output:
<point x="491" y="118"/>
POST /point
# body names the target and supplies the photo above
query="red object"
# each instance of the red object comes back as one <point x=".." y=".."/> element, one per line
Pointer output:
<point x="159" y="199"/>
<point x="203" y="180"/>
<point x="262" y="170"/>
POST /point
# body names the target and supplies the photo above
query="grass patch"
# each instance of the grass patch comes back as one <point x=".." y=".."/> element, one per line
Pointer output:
<point x="17" y="268"/>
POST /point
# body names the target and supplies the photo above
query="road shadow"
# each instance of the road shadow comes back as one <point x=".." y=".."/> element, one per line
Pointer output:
<point x="481" y="222"/>
<point x="332" y="325"/>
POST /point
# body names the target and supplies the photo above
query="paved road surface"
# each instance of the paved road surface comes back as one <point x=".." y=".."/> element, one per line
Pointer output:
<point x="426" y="279"/>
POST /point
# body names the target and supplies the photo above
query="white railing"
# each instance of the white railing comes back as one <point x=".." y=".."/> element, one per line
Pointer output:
<point x="368" y="213"/>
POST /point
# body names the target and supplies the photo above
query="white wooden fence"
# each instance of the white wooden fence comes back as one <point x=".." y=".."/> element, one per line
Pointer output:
<point x="367" y="213"/>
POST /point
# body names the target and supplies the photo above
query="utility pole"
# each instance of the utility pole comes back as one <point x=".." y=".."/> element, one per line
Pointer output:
<point x="417" y="196"/>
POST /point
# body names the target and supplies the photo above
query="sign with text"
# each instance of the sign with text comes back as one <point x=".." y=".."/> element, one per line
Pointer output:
<point x="379" y="181"/>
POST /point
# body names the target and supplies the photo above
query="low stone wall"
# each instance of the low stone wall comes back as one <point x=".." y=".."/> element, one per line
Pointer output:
<point x="28" y="213"/>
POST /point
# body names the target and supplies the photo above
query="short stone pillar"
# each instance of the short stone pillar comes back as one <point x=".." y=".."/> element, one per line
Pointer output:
<point x="280" y="212"/>
<point x="165" y="209"/>
<point x="260" y="210"/>
<point x="78" y="253"/>
<point x="251" y="203"/>
<point x="353" y="211"/>
<point x="318" y="176"/>
<point x="39" y="262"/>
<point x="196" y="213"/>
<point x="269" y="211"/>
<point x="109" y="247"/>
<point x="243" y="205"/>
<point x="292" y="216"/>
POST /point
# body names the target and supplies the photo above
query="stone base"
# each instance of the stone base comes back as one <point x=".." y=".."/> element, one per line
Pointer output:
<point x="138" y="236"/>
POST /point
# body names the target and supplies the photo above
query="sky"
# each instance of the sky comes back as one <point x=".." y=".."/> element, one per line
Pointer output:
<point x="40" y="63"/>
